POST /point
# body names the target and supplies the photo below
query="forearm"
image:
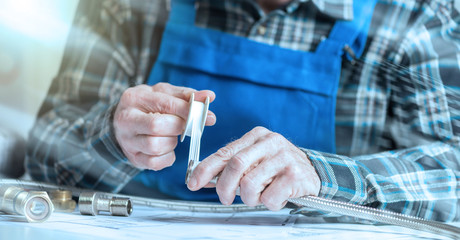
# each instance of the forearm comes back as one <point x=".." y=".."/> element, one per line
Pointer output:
<point x="420" y="181"/>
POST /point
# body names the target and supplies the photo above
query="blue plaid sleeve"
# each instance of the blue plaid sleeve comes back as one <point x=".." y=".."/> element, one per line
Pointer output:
<point x="110" y="47"/>
<point x="421" y="176"/>
<point x="421" y="181"/>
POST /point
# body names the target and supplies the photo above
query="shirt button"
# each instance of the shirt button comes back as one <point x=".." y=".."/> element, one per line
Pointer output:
<point x="262" y="30"/>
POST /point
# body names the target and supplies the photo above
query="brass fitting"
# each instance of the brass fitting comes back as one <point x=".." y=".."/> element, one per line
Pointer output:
<point x="36" y="206"/>
<point x="92" y="203"/>
<point x="62" y="201"/>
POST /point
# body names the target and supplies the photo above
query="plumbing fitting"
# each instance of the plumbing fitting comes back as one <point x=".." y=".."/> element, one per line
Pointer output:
<point x="36" y="206"/>
<point x="62" y="201"/>
<point x="92" y="203"/>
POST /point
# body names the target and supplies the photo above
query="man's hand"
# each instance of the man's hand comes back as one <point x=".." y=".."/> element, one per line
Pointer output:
<point x="148" y="120"/>
<point x="266" y="166"/>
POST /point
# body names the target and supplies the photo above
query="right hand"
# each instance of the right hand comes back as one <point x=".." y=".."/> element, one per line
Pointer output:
<point x="148" y="120"/>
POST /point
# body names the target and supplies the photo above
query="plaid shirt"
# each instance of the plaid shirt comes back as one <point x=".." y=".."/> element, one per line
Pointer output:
<point x="398" y="106"/>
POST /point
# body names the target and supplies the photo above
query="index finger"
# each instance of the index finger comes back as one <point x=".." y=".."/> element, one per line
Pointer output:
<point x="159" y="102"/>
<point x="183" y="93"/>
<point x="215" y="163"/>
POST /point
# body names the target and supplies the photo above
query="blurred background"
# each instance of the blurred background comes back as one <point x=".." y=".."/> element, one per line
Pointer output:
<point x="32" y="39"/>
<point x="33" y="35"/>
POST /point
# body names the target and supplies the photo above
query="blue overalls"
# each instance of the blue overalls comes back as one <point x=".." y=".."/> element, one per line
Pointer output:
<point x="289" y="92"/>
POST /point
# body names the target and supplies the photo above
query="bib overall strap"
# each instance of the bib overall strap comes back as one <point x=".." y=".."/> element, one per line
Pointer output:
<point x="345" y="33"/>
<point x="350" y="33"/>
<point x="182" y="12"/>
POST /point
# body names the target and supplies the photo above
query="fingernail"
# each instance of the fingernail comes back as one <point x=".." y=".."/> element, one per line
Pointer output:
<point x="211" y="118"/>
<point x="226" y="201"/>
<point x="192" y="183"/>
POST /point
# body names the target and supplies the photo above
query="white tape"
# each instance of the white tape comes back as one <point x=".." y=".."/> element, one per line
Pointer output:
<point x="194" y="129"/>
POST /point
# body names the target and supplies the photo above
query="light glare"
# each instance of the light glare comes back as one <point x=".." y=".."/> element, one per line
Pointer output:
<point x="36" y="19"/>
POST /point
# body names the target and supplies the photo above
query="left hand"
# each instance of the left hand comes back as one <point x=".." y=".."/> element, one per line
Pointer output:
<point x="266" y="166"/>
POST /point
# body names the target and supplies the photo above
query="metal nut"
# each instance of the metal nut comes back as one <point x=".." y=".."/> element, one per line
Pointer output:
<point x="62" y="200"/>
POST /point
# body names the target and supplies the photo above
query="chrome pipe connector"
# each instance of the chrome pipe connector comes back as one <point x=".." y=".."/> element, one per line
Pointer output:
<point x="36" y="206"/>
<point x="92" y="203"/>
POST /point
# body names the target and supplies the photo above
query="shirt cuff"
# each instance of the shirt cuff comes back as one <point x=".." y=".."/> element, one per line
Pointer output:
<point x="116" y="168"/>
<point x="341" y="178"/>
<point x="110" y="135"/>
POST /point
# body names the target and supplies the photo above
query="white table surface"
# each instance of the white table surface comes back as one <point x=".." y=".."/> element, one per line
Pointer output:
<point x="154" y="223"/>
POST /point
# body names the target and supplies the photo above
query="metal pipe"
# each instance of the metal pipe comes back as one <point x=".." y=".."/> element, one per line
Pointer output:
<point x="310" y="202"/>
<point x="377" y="215"/>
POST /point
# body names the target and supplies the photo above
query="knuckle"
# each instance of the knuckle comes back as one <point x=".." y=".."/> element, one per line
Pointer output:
<point x="276" y="141"/>
<point x="238" y="162"/>
<point x="251" y="135"/>
<point x="199" y="170"/>
<point x="171" y="106"/>
<point x="121" y="117"/>
<point x="128" y="95"/>
<point x="202" y="168"/>
<point x="167" y="105"/>
<point x="151" y="144"/>
<point x="154" y="125"/>
<point x="225" y="152"/>
<point x="275" y="138"/>
<point x="160" y="86"/>
<point x="259" y="130"/>
<point x="248" y="183"/>
<point x="294" y="173"/>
